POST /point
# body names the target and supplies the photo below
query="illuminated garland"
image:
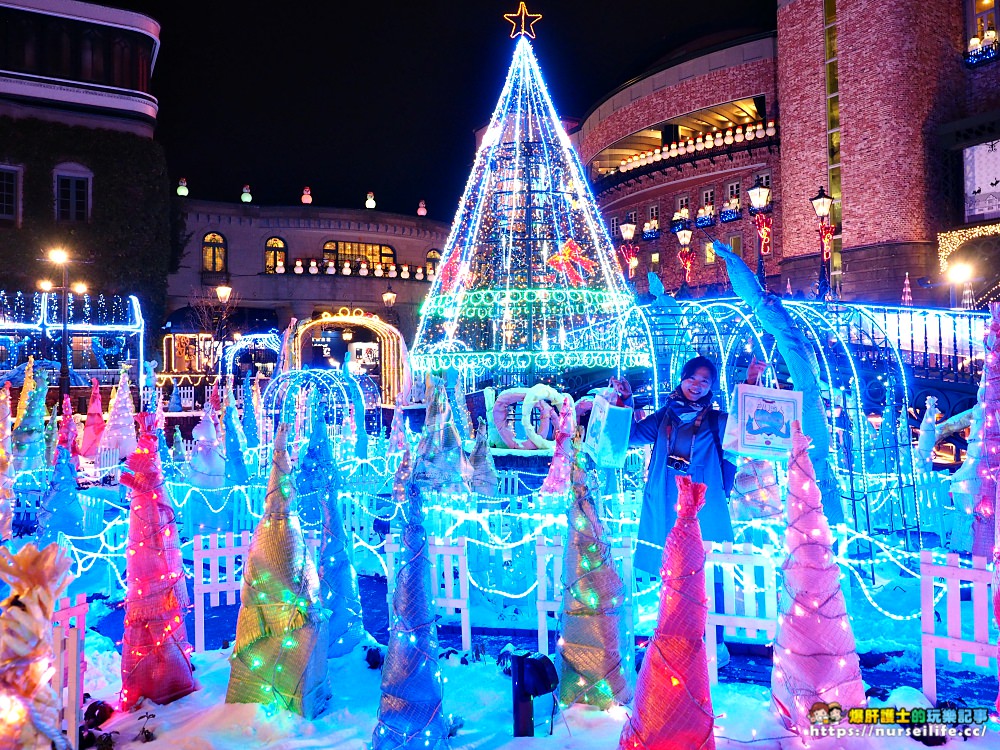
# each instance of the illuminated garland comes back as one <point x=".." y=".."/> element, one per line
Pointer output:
<point x="949" y="242"/>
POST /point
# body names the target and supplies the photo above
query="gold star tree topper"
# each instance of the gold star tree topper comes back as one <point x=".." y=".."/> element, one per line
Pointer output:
<point x="522" y="22"/>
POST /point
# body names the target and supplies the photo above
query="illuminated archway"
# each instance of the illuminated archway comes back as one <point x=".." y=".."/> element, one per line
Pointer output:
<point x="949" y="242"/>
<point x="394" y="361"/>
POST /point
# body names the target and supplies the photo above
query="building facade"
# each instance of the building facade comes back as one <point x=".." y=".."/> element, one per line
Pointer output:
<point x="301" y="261"/>
<point x="900" y="134"/>
<point x="78" y="165"/>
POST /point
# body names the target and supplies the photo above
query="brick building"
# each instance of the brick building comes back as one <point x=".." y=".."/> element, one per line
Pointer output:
<point x="895" y="113"/>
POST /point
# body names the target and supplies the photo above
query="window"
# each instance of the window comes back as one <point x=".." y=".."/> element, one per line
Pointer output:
<point x="683" y="201"/>
<point x="631" y="217"/>
<point x="709" y="253"/>
<point x="72" y="184"/>
<point x="213" y="253"/>
<point x="614" y="228"/>
<point x="433" y="258"/>
<point x="735" y="241"/>
<point x="732" y="190"/>
<point x="10" y="205"/>
<point x="708" y="197"/>
<point x="764" y="177"/>
<point x="654" y="261"/>
<point x="355" y="252"/>
<point x="654" y="213"/>
<point x="984" y="17"/>
<point x="275" y="253"/>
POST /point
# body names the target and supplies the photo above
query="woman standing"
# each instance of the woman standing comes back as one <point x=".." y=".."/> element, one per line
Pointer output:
<point x="686" y="435"/>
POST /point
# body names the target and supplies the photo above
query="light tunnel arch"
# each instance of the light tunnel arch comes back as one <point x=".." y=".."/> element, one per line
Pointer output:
<point x="395" y="365"/>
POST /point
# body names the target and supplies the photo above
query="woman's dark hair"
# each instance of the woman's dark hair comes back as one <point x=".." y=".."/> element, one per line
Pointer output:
<point x="693" y="365"/>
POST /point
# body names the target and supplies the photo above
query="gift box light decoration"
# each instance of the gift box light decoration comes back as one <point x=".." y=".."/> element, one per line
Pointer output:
<point x="497" y="245"/>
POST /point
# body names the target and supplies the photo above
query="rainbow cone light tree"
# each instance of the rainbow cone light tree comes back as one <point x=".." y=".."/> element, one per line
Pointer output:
<point x="589" y="650"/>
<point x="26" y="388"/>
<point x="156" y="655"/>
<point x="6" y="421"/>
<point x="279" y="658"/>
<point x="410" y="713"/>
<point x="528" y="281"/>
<point x="673" y="703"/>
<point x="6" y="483"/>
<point x="30" y="707"/>
<point x="68" y="432"/>
<point x="28" y="436"/>
<point x="815" y="659"/>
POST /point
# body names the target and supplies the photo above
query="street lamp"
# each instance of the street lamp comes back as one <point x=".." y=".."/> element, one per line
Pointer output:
<point x="629" y="251"/>
<point x="223" y="292"/>
<point x="388" y="297"/>
<point x="960" y="273"/>
<point x="685" y="256"/>
<point x="760" y="207"/>
<point x="61" y="258"/>
<point x="822" y="204"/>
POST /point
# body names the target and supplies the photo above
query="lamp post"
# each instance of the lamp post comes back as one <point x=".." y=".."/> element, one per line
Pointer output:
<point x="959" y="274"/>
<point x="760" y="208"/>
<point x="686" y="257"/>
<point x="389" y="302"/>
<point x="223" y="292"/>
<point x="629" y="251"/>
<point x="61" y="258"/>
<point x="822" y="204"/>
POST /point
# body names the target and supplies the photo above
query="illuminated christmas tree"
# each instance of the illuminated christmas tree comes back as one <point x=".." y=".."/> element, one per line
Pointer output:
<point x="156" y="655"/>
<point x="251" y="401"/>
<point x="60" y="509"/>
<point x="441" y="465"/>
<point x="26" y="389"/>
<point x="207" y="465"/>
<point x="28" y="436"/>
<point x="673" y="704"/>
<point x="484" y="478"/>
<point x="6" y="421"/>
<point x="397" y="431"/>
<point x="236" y="470"/>
<point x="815" y="659"/>
<point x="93" y="428"/>
<point x="410" y="713"/>
<point x="589" y="651"/>
<point x="557" y="480"/>
<point x="119" y="434"/>
<point x="68" y="432"/>
<point x="177" y="447"/>
<point x="528" y="282"/>
<point x="281" y="633"/>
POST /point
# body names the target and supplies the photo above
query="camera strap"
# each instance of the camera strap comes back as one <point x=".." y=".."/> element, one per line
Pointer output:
<point x="694" y="431"/>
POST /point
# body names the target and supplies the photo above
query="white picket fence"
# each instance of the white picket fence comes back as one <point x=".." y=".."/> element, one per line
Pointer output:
<point x="960" y="636"/>
<point x="218" y="572"/>
<point x="69" y="627"/>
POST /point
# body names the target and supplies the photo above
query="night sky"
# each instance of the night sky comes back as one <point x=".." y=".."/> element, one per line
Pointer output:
<point x="348" y="98"/>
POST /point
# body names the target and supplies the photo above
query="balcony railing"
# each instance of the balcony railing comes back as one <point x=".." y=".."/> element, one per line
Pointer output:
<point x="313" y="267"/>
<point x="982" y="54"/>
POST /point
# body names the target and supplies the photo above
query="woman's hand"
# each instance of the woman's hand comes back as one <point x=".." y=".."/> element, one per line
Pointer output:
<point x="755" y="369"/>
<point x="622" y="387"/>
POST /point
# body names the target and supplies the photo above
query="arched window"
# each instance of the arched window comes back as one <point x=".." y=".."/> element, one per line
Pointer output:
<point x="433" y="258"/>
<point x="275" y="253"/>
<point x="213" y="253"/>
<point x="355" y="252"/>
<point x="71" y="184"/>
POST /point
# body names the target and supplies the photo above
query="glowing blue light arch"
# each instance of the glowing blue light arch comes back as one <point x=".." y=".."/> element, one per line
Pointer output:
<point x="270" y="341"/>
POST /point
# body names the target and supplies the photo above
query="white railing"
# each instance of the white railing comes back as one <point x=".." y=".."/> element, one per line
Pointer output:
<point x="960" y="635"/>
<point x="69" y="627"/>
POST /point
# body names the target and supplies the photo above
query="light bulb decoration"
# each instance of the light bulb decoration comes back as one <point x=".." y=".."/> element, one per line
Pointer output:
<point x="307" y="198"/>
<point x="589" y="652"/>
<point x="410" y="713"/>
<point x="673" y="702"/>
<point x="422" y="208"/>
<point x="815" y="658"/>
<point x="36" y="579"/>
<point x="279" y="657"/>
<point x="246" y="196"/>
<point x="182" y="187"/>
<point x="156" y="654"/>
<point x="528" y="238"/>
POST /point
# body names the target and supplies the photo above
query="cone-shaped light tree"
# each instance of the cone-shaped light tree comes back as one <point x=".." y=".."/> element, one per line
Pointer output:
<point x="441" y="464"/>
<point x="93" y="427"/>
<point x="589" y="651"/>
<point x="174" y="404"/>
<point x="463" y="420"/>
<point x="236" y="470"/>
<point x="484" y="480"/>
<point x="68" y="432"/>
<point x="279" y="658"/>
<point x="6" y="474"/>
<point x="251" y="398"/>
<point x="31" y="707"/>
<point x="410" y="713"/>
<point x="177" y="447"/>
<point x="397" y="431"/>
<point x="673" y="704"/>
<point x="156" y="655"/>
<point x="6" y="421"/>
<point x="60" y="509"/>
<point x="26" y="388"/>
<point x="558" y="479"/>
<point x="976" y="480"/>
<point x="528" y="281"/>
<point x="28" y="437"/>
<point x="119" y="433"/>
<point x="52" y="436"/>
<point x="815" y="659"/>
<point x="207" y="465"/>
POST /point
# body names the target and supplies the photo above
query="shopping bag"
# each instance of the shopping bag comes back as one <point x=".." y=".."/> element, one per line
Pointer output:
<point x="763" y="421"/>
<point x="756" y="493"/>
<point x="608" y="433"/>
